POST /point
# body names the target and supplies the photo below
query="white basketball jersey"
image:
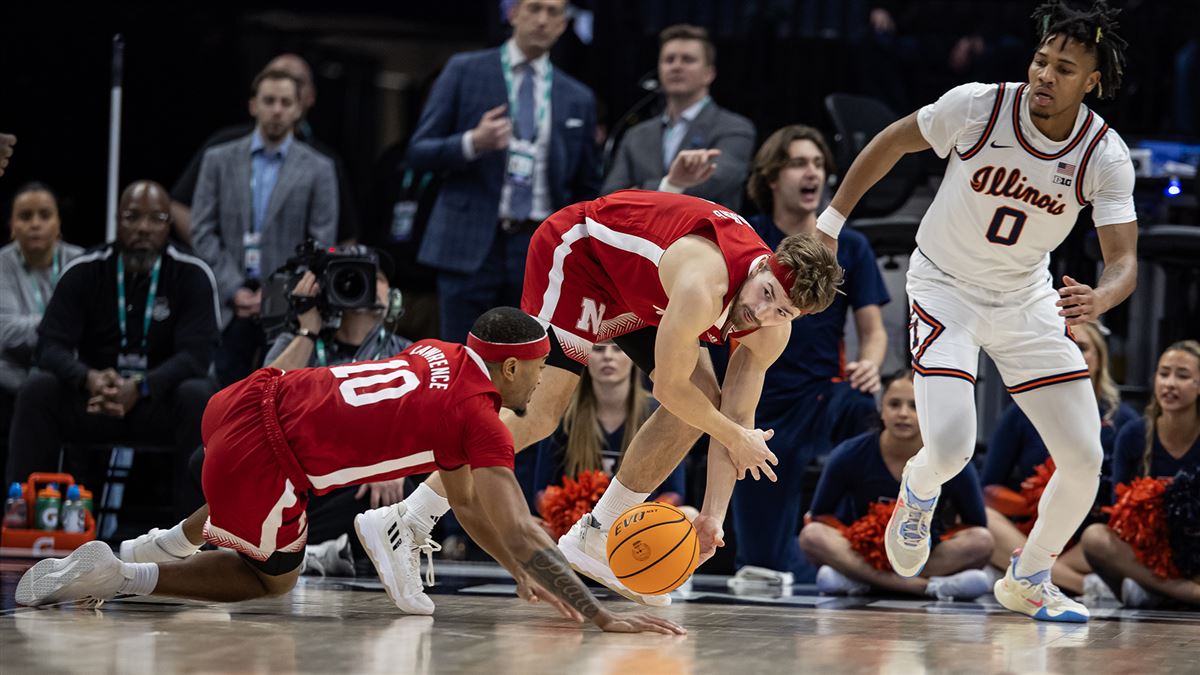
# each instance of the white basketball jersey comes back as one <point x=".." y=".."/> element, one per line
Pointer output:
<point x="1009" y="195"/>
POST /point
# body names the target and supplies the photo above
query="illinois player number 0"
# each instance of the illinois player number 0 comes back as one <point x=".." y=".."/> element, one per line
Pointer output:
<point x="353" y="389"/>
<point x="1006" y="226"/>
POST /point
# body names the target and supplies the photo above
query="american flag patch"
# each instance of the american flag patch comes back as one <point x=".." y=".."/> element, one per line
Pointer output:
<point x="1065" y="169"/>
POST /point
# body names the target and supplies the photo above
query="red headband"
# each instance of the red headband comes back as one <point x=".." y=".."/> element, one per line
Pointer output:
<point x="498" y="351"/>
<point x="785" y="274"/>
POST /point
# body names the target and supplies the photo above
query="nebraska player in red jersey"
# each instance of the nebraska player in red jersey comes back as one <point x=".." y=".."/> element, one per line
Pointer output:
<point x="273" y="438"/>
<point x="658" y="273"/>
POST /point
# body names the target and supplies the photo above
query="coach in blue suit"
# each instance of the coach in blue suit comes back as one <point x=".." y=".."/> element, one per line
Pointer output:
<point x="514" y="138"/>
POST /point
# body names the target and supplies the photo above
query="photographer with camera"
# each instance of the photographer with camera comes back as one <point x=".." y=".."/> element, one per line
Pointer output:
<point x="359" y="334"/>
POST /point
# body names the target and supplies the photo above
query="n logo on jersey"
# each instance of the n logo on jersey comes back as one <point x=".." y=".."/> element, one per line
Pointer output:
<point x="591" y="316"/>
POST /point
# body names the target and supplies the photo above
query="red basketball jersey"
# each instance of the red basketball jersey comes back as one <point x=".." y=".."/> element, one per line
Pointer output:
<point x="431" y="406"/>
<point x="627" y="233"/>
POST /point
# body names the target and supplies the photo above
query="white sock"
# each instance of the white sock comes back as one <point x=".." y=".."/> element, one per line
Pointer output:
<point x="425" y="507"/>
<point x="1034" y="559"/>
<point x="617" y="499"/>
<point x="175" y="542"/>
<point x="140" y="578"/>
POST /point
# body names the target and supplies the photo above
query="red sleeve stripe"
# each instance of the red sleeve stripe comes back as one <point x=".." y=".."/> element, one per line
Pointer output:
<point x="987" y="131"/>
<point x="1047" y="381"/>
<point x="1083" y="164"/>
<point x="1016" y="120"/>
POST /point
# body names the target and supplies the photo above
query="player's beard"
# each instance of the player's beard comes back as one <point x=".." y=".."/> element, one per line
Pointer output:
<point x="519" y="412"/>
<point x="733" y="322"/>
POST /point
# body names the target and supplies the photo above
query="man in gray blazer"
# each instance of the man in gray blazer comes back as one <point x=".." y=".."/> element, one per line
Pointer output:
<point x="695" y="146"/>
<point x="258" y="197"/>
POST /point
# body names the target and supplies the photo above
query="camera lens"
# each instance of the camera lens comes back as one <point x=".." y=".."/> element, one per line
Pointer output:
<point x="350" y="286"/>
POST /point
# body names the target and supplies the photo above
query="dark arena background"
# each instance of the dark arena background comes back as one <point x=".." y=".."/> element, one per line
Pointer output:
<point x="173" y="172"/>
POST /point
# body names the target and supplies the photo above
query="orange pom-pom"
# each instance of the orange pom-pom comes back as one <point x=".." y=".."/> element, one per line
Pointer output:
<point x="1139" y="519"/>
<point x="1005" y="500"/>
<point x="866" y="535"/>
<point x="562" y="506"/>
<point x="1031" y="491"/>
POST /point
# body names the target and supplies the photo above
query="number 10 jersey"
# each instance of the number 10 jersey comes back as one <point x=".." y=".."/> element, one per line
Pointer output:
<point x="431" y="406"/>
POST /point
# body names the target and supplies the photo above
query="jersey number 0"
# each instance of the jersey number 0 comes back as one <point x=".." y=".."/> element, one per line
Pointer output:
<point x="388" y="371"/>
<point x="1003" y="214"/>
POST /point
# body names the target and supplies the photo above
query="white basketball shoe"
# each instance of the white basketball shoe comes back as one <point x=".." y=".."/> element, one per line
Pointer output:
<point x="585" y="548"/>
<point x="396" y="550"/>
<point x="148" y="548"/>
<point x="907" y="536"/>
<point x="91" y="572"/>
<point x="1037" y="597"/>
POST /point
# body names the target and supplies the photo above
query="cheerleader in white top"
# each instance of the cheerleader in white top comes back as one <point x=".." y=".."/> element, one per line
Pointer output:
<point x="1025" y="158"/>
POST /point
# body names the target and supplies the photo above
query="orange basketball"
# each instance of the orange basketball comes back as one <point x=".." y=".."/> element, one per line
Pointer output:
<point x="653" y="548"/>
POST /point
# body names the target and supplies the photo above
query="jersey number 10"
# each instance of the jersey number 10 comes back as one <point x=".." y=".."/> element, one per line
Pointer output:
<point x="388" y="371"/>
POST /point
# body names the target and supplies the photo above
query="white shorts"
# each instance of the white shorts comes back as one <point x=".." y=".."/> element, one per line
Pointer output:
<point x="950" y="320"/>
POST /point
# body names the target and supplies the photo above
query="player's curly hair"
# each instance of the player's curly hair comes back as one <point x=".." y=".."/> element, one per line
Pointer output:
<point x="1095" y="29"/>
<point x="507" y="325"/>
<point x="816" y="269"/>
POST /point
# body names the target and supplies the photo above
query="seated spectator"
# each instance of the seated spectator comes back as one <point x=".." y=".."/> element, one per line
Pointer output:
<point x="1163" y="444"/>
<point x="183" y="192"/>
<point x="29" y="270"/>
<point x="125" y="346"/>
<point x="1016" y="452"/>
<point x="861" y="476"/>
<point x="258" y="198"/>
<point x="608" y="407"/>
<point x="696" y="146"/>
<point x="816" y="394"/>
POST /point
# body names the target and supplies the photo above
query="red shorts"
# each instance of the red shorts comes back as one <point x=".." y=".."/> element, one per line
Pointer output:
<point x="566" y="287"/>
<point x="255" y="490"/>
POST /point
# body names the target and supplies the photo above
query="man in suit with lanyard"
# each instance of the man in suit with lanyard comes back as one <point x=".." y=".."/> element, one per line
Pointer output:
<point x="695" y="146"/>
<point x="512" y="154"/>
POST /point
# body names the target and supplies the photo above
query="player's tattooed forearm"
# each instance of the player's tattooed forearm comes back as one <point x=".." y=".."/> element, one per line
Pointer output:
<point x="550" y="569"/>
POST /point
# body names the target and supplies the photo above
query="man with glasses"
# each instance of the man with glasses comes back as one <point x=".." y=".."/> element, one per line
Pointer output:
<point x="124" y="347"/>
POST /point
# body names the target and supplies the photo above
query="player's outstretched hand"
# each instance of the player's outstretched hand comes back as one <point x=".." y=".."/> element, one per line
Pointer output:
<point x="711" y="535"/>
<point x="1078" y="302"/>
<point x="750" y="453"/>
<point x="529" y="591"/>
<point x="637" y="622"/>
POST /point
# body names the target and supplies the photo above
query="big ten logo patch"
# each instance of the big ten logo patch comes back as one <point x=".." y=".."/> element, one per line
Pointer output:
<point x="626" y="522"/>
<point x="731" y="215"/>
<point x="591" y="316"/>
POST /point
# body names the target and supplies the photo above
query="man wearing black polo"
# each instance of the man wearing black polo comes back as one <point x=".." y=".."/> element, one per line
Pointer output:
<point x="124" y="347"/>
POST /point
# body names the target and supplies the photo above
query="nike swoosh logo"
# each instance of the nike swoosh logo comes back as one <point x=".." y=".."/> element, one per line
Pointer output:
<point x="1039" y="603"/>
<point x="1000" y="146"/>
